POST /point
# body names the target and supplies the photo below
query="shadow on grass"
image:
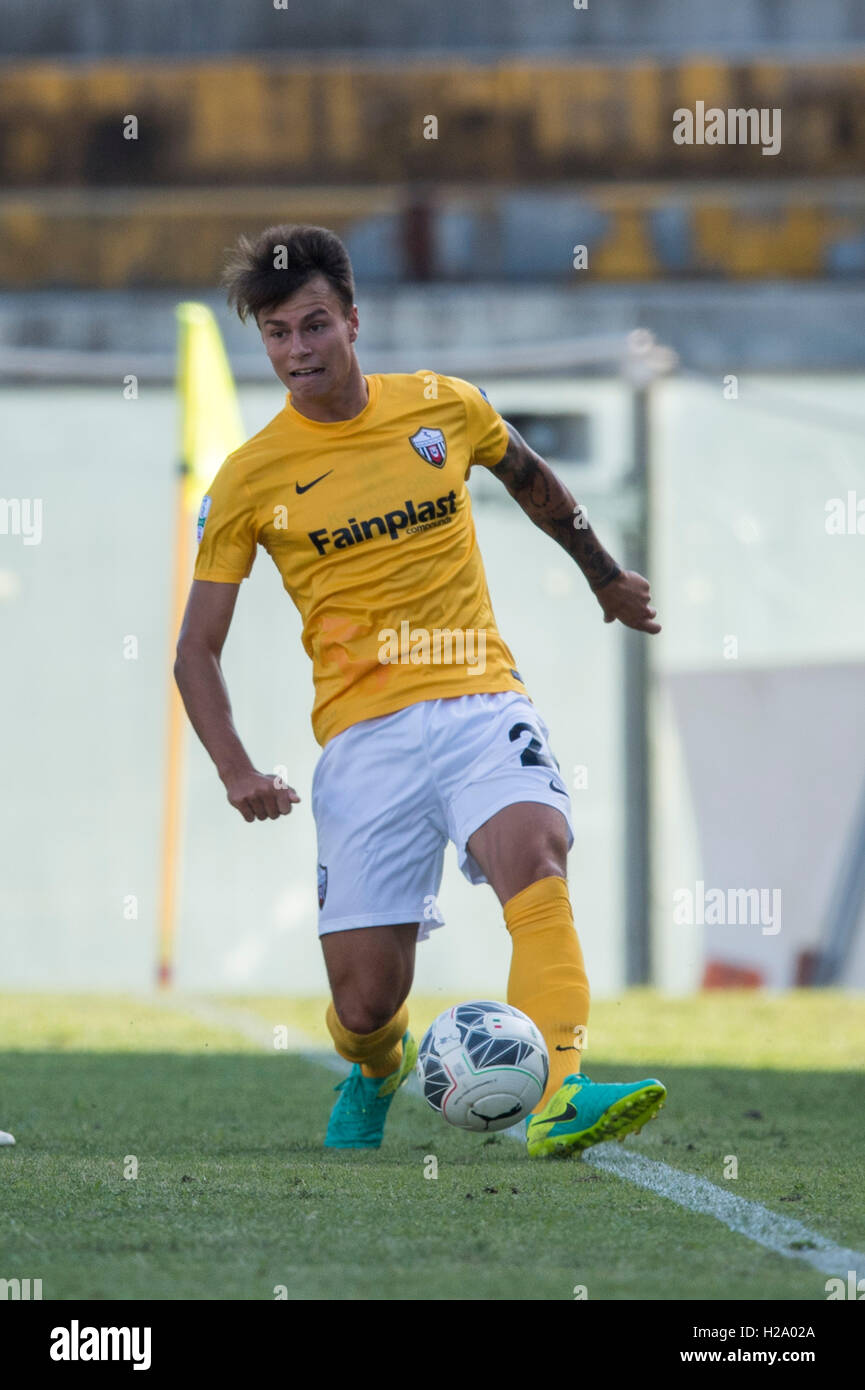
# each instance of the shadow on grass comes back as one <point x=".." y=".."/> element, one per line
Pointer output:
<point x="235" y="1194"/>
<point x="241" y="1103"/>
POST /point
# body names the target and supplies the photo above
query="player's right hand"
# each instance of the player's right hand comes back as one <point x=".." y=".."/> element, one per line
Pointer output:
<point x="260" y="795"/>
<point x="627" y="599"/>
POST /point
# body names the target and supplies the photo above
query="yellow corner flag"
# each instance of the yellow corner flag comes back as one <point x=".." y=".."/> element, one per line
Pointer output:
<point x="210" y="423"/>
<point x="210" y="430"/>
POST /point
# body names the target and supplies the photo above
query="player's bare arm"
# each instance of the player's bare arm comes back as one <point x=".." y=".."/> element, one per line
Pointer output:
<point x="622" y="594"/>
<point x="199" y="677"/>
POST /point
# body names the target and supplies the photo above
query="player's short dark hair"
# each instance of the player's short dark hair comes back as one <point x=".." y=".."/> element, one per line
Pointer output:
<point x="263" y="271"/>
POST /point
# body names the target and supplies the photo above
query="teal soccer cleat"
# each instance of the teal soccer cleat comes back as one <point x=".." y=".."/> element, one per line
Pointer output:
<point x="584" y="1112"/>
<point x="357" y="1119"/>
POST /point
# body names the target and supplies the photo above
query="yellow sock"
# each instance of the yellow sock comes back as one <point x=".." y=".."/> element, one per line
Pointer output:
<point x="548" y="978"/>
<point x="379" y="1053"/>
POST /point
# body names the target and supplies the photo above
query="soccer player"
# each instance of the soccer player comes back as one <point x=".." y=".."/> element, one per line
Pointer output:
<point x="357" y="489"/>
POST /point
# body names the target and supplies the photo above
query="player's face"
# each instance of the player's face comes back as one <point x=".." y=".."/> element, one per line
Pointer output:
<point x="309" y="340"/>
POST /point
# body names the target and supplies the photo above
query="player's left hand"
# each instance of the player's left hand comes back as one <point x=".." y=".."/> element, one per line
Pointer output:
<point x="628" y="599"/>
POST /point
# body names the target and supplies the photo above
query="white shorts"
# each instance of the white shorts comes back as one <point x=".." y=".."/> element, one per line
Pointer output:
<point x="388" y="794"/>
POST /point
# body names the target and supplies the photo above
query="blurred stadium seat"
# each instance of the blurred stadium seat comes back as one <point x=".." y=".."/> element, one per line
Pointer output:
<point x="531" y="156"/>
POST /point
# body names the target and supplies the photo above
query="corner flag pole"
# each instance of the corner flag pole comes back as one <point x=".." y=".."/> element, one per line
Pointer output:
<point x="210" y="428"/>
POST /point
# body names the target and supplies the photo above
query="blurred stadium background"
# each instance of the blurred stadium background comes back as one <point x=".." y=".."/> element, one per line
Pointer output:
<point x="698" y="385"/>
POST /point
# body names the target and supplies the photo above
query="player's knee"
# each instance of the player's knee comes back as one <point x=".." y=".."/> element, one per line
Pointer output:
<point x="361" y="1016"/>
<point x="546" y="868"/>
<point x="548" y="857"/>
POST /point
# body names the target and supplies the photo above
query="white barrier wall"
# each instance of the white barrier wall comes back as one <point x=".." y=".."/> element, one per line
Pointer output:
<point x="741" y="550"/>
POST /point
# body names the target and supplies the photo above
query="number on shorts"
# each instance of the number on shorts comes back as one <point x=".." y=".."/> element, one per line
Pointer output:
<point x="533" y="755"/>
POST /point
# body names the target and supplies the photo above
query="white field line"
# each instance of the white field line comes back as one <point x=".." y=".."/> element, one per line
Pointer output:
<point x="740" y="1214"/>
<point x="249" y="1025"/>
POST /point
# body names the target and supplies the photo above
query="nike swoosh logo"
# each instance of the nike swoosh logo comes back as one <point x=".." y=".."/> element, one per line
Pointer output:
<point x="307" y="486"/>
<point x="559" y="1048"/>
<point x="569" y="1113"/>
<point x="557" y="789"/>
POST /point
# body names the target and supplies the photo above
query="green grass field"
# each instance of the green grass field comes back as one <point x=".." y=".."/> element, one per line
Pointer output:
<point x="234" y="1196"/>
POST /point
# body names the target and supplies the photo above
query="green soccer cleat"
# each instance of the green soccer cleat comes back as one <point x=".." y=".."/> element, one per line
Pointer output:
<point x="357" y="1119"/>
<point x="584" y="1112"/>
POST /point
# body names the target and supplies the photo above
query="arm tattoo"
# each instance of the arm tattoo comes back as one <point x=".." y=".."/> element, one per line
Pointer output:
<point x="545" y="499"/>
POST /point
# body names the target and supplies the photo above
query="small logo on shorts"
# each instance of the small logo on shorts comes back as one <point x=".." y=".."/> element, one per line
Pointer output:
<point x="322" y="884"/>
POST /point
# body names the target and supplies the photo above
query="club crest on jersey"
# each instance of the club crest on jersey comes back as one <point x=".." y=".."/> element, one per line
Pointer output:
<point x="431" y="446"/>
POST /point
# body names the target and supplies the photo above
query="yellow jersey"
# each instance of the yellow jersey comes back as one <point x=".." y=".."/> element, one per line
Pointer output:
<point x="369" y="523"/>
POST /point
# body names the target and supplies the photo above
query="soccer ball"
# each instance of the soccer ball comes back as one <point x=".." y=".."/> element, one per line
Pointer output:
<point x="483" y="1066"/>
